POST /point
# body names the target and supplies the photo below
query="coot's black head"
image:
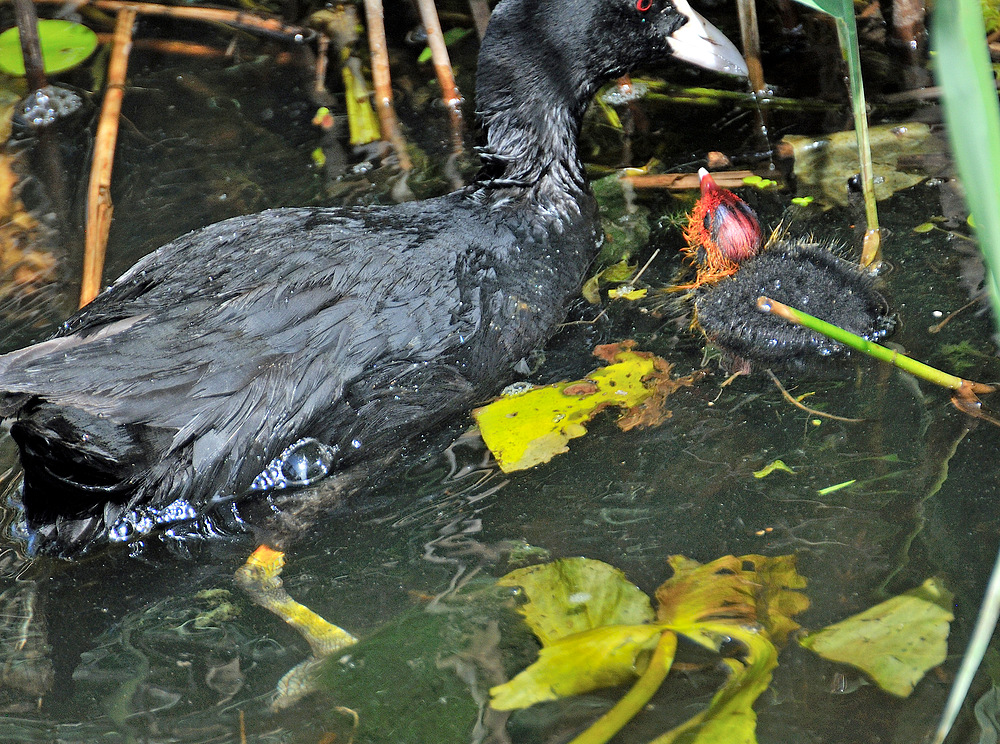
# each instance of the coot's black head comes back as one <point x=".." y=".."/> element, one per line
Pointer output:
<point x="541" y="62"/>
<point x="583" y="43"/>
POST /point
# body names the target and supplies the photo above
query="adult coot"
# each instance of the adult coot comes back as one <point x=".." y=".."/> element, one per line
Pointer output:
<point x="734" y="267"/>
<point x="269" y="350"/>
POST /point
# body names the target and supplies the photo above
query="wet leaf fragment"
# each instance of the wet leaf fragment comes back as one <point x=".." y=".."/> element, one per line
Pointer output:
<point x="771" y="467"/>
<point x="529" y="428"/>
<point x="894" y="642"/>
<point x="824" y="165"/>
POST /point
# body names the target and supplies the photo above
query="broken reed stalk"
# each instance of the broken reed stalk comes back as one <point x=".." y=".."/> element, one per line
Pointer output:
<point x="682" y="181"/>
<point x="964" y="391"/>
<point x="382" y="83"/>
<point x="31" y="47"/>
<point x="750" y="36"/>
<point x="480" y="16"/>
<point x="442" y="68"/>
<point x="99" y="206"/>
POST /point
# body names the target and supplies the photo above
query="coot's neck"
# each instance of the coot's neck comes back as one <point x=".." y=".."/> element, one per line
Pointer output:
<point x="532" y="88"/>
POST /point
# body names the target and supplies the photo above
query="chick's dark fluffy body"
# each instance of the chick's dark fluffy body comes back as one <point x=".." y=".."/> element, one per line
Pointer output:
<point x="810" y="277"/>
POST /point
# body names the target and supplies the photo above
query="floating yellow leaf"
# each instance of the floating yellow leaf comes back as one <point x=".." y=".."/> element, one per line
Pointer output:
<point x="590" y="660"/>
<point x="737" y="590"/>
<point x="770" y="468"/>
<point x="576" y="594"/>
<point x="894" y="642"/>
<point x="744" y="602"/>
<point x="532" y="427"/>
<point x="730" y="717"/>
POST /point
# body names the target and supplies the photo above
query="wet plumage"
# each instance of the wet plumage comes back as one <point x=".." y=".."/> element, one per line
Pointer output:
<point x="317" y="340"/>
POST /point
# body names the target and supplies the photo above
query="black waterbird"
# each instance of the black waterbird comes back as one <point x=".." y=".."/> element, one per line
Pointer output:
<point x="270" y="350"/>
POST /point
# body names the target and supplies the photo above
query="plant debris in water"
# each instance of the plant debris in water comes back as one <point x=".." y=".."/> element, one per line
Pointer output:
<point x="528" y="428"/>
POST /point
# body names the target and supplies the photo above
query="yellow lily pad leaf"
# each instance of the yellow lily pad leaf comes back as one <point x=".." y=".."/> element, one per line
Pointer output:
<point x="572" y="595"/>
<point x="770" y="468"/>
<point x="895" y="642"/>
<point x="532" y="427"/>
<point x="578" y="663"/>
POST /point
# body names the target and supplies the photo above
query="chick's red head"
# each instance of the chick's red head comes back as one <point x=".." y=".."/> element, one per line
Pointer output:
<point x="722" y="232"/>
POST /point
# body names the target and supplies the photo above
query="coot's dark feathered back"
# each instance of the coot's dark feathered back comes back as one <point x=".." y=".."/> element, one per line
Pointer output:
<point x="349" y="329"/>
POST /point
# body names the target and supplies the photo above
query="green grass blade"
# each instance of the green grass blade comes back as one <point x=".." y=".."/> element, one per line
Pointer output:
<point x="973" y="119"/>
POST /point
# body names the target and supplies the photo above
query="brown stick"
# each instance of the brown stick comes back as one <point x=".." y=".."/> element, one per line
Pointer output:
<point x="269" y="25"/>
<point x="99" y="207"/>
<point x="480" y="16"/>
<point x="383" y="85"/>
<point x="681" y="181"/>
<point x="799" y="404"/>
<point x="442" y="68"/>
<point x="750" y="35"/>
<point x="31" y="49"/>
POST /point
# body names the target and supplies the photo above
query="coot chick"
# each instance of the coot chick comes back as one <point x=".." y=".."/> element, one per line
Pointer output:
<point x="269" y="350"/>
<point x="734" y="268"/>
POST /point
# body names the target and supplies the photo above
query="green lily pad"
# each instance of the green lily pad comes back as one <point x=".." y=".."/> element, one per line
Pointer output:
<point x="64" y="45"/>
<point x="894" y="642"/>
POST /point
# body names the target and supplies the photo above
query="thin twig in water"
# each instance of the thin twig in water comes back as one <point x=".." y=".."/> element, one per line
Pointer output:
<point x="799" y="404"/>
<point x="938" y="326"/>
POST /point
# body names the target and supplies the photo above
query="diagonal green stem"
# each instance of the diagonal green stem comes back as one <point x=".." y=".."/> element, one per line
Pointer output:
<point x="635" y="699"/>
<point x="905" y="363"/>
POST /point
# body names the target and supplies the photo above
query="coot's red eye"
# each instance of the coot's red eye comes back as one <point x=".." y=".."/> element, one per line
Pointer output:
<point x="643" y="5"/>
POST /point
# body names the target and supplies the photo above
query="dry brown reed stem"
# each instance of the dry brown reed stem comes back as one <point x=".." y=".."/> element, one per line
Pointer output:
<point x="269" y="25"/>
<point x="191" y="49"/>
<point x="382" y="83"/>
<point x="750" y="36"/>
<point x="681" y="181"/>
<point x="480" y="16"/>
<point x="442" y="68"/>
<point x="31" y="50"/>
<point x="99" y="207"/>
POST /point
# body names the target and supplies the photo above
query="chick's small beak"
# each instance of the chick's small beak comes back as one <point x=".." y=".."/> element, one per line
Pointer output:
<point x="700" y="43"/>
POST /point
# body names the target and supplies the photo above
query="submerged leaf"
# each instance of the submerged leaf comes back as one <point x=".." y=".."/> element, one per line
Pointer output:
<point x="530" y="428"/>
<point x="730" y="717"/>
<point x="578" y="663"/>
<point x="572" y="595"/>
<point x="823" y="166"/>
<point x="895" y="642"/>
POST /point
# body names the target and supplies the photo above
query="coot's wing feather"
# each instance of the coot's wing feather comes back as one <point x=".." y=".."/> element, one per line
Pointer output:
<point x="250" y="350"/>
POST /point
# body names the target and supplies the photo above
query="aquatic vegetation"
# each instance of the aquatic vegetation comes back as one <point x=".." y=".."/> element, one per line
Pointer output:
<point x="65" y="45"/>
<point x="526" y="427"/>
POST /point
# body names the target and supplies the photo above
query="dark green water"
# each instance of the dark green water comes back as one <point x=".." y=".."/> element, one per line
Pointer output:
<point x="151" y="644"/>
